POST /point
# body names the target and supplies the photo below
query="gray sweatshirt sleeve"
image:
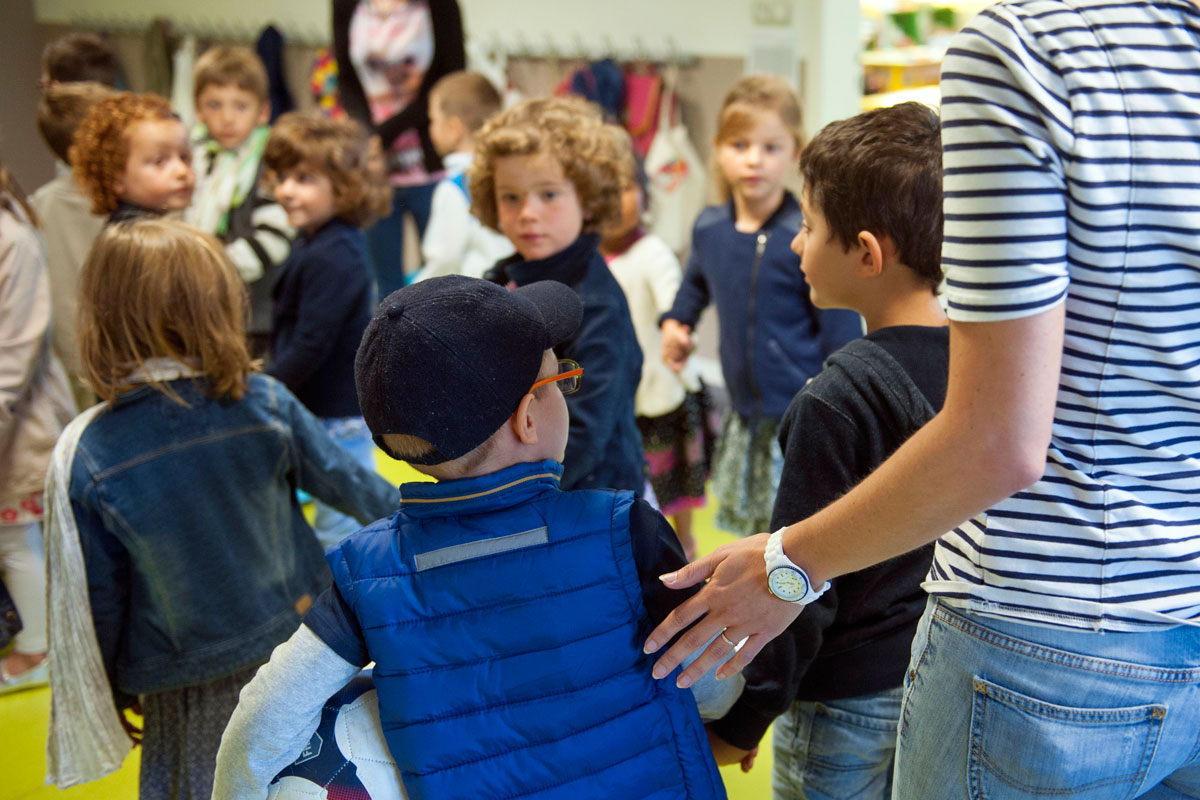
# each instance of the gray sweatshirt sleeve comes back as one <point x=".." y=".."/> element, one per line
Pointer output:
<point x="276" y="715"/>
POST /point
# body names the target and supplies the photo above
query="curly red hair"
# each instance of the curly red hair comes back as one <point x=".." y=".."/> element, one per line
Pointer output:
<point x="100" y="149"/>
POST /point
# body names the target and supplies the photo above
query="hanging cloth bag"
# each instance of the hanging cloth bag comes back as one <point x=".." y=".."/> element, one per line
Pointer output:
<point x="675" y="173"/>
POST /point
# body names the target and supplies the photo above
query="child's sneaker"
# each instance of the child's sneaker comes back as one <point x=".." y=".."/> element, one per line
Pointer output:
<point x="34" y="678"/>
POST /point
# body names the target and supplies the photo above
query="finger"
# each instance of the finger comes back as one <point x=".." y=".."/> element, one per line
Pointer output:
<point x="693" y="641"/>
<point x="712" y="655"/>
<point x="751" y="648"/>
<point x="699" y="570"/>
<point x="680" y="617"/>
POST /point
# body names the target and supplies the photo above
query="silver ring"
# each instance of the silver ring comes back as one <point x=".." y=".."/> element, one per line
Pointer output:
<point x="726" y="638"/>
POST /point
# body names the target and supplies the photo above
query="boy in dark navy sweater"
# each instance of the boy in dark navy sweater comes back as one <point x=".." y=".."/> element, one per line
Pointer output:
<point x="504" y="615"/>
<point x="330" y="180"/>
<point x="871" y="242"/>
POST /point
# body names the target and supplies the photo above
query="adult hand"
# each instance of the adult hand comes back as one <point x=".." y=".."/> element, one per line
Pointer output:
<point x="676" y="343"/>
<point x="724" y="753"/>
<point x="735" y="602"/>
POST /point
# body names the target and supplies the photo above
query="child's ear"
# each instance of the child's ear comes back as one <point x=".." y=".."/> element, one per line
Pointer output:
<point x="523" y="425"/>
<point x="874" y="250"/>
<point x="264" y="112"/>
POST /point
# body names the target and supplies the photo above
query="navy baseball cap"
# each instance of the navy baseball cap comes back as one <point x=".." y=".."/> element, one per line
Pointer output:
<point x="448" y="359"/>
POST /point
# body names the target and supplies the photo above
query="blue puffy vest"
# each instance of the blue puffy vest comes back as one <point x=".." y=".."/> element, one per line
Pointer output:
<point x="506" y="621"/>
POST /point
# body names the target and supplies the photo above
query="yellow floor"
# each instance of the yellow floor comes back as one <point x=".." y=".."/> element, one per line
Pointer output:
<point x="25" y="715"/>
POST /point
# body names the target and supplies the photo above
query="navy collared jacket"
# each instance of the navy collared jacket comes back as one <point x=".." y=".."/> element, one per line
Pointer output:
<point x="604" y="449"/>
<point x="773" y="339"/>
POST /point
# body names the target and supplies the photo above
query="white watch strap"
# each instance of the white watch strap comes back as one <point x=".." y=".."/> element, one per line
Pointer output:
<point x="775" y="557"/>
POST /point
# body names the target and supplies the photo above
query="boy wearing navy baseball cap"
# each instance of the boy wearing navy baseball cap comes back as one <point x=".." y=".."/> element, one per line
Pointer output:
<point x="504" y="616"/>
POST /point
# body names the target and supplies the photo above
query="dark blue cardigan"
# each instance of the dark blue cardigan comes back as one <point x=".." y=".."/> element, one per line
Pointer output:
<point x="322" y="300"/>
<point x="604" y="450"/>
<point x="773" y="339"/>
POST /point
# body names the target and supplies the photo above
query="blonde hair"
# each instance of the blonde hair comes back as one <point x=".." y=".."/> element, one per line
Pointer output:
<point x="63" y="108"/>
<point x="157" y="288"/>
<point x="100" y="149"/>
<point x="568" y="129"/>
<point x="226" y="65"/>
<point x="341" y="150"/>
<point x="468" y="96"/>
<point x="750" y="97"/>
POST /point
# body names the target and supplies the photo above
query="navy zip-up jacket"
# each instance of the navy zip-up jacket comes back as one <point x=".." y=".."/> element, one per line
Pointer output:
<point x="604" y="448"/>
<point x="773" y="339"/>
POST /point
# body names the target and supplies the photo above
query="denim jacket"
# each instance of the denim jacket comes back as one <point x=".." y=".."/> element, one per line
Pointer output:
<point x="199" y="560"/>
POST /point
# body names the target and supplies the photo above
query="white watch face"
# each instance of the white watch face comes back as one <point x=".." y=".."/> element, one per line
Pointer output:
<point x="787" y="583"/>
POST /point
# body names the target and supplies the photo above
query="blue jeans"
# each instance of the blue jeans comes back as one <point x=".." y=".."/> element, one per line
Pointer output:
<point x="353" y="436"/>
<point x="836" y="749"/>
<point x="1001" y="709"/>
<point x="385" y="239"/>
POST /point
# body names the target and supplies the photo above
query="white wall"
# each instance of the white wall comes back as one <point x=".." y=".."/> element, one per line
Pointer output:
<point x="826" y="30"/>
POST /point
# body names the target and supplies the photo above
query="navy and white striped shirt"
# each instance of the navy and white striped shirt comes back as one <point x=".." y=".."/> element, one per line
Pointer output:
<point x="1071" y="131"/>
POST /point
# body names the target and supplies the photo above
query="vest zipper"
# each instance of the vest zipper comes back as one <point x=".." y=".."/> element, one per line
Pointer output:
<point x="759" y="247"/>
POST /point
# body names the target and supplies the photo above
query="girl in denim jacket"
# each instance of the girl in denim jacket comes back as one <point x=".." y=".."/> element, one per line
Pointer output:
<point x="179" y="555"/>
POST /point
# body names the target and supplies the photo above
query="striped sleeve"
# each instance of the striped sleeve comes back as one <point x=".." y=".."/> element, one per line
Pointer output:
<point x="1005" y="119"/>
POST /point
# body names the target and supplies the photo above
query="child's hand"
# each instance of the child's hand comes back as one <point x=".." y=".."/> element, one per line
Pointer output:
<point x="724" y="753"/>
<point x="676" y="343"/>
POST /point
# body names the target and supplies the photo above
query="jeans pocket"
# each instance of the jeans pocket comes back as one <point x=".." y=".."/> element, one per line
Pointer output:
<point x="1023" y="747"/>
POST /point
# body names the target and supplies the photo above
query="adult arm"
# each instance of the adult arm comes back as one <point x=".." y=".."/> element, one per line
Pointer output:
<point x="988" y="442"/>
<point x="329" y="473"/>
<point x="1004" y="121"/>
<point x="276" y="715"/>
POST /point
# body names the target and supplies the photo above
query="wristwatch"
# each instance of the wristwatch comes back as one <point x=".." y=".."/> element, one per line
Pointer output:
<point x="787" y="581"/>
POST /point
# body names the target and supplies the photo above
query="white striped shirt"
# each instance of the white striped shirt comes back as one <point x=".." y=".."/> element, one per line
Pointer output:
<point x="1071" y="134"/>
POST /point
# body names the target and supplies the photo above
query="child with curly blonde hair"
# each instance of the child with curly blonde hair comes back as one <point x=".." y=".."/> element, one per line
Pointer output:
<point x="131" y="157"/>
<point x="331" y="180"/>
<point x="548" y="176"/>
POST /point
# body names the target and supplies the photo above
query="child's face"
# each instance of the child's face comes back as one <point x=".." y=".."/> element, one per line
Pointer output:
<point x="828" y="268"/>
<point x="158" y="171"/>
<point x="446" y="133"/>
<point x="230" y="114"/>
<point x="306" y="194"/>
<point x="756" y="161"/>
<point x="538" y="208"/>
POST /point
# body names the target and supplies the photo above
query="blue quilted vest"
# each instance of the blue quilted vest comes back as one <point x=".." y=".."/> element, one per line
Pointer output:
<point x="506" y="621"/>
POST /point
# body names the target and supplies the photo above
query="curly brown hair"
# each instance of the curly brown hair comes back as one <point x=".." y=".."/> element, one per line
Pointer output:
<point x="570" y="130"/>
<point x="100" y="149"/>
<point x="341" y="150"/>
<point x="157" y="288"/>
